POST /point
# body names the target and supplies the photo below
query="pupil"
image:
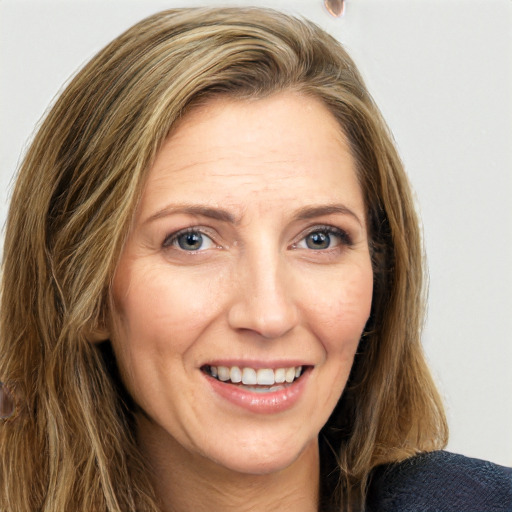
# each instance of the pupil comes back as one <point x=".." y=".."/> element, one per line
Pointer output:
<point x="318" y="241"/>
<point x="190" y="241"/>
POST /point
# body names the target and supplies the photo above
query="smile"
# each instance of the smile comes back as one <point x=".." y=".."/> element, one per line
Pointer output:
<point x="259" y="390"/>
<point x="246" y="376"/>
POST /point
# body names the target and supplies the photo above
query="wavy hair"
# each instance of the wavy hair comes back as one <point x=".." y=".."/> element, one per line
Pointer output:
<point x="72" y="445"/>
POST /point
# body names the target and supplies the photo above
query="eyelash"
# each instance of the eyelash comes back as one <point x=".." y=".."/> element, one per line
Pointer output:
<point x="173" y="237"/>
<point x="343" y="236"/>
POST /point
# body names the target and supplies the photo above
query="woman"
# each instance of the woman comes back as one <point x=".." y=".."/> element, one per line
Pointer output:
<point x="212" y="290"/>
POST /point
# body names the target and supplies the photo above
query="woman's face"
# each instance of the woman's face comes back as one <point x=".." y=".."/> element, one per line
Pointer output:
<point x="248" y="259"/>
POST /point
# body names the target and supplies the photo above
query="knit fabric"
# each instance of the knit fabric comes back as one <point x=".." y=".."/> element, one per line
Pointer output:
<point x="441" y="482"/>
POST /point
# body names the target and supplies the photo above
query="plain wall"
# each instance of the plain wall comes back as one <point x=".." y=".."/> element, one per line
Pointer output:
<point x="441" y="71"/>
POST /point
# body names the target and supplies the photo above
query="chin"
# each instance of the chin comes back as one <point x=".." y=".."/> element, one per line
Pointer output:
<point x="264" y="458"/>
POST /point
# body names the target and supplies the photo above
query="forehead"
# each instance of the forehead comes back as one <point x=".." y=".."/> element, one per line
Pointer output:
<point x="287" y="146"/>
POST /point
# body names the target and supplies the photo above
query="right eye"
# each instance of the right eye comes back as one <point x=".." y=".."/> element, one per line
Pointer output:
<point x="190" y="240"/>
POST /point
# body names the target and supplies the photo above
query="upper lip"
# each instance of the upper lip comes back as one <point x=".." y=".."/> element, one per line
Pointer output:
<point x="257" y="364"/>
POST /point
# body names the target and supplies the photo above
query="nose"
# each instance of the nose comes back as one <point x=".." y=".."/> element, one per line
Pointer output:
<point x="263" y="299"/>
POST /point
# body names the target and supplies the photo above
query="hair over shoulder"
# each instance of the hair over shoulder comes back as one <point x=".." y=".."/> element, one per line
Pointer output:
<point x="72" y="446"/>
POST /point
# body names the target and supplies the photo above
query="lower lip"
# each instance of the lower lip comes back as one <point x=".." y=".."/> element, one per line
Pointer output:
<point x="262" y="403"/>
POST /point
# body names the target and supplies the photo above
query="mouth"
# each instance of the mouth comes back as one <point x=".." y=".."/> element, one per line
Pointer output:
<point x="261" y="380"/>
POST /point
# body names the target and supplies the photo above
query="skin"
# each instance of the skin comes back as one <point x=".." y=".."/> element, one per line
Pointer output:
<point x="255" y="290"/>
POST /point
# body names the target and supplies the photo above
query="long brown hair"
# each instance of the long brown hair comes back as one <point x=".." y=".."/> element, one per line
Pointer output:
<point x="72" y="446"/>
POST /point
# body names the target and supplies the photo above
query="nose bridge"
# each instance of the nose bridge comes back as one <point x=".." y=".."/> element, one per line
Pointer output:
<point x="264" y="300"/>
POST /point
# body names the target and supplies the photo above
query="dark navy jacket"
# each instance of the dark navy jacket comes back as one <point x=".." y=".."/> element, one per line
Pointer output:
<point x="440" y="482"/>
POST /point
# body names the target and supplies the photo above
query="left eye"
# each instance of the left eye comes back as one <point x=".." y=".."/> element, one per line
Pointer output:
<point x="318" y="240"/>
<point x="322" y="239"/>
<point x="189" y="241"/>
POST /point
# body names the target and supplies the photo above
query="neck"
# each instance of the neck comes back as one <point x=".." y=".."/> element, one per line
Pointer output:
<point x="184" y="481"/>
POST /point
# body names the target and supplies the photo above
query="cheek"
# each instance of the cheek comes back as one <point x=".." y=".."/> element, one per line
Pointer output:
<point x="342" y="311"/>
<point x="154" y="304"/>
<point x="340" y="317"/>
<point x="157" y="317"/>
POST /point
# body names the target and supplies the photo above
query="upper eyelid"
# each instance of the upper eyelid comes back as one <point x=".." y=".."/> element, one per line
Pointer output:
<point x="329" y="229"/>
<point x="171" y="237"/>
<point x="208" y="232"/>
<point x="324" y="227"/>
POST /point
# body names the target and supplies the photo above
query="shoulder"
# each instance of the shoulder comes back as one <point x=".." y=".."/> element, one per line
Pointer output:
<point x="440" y="481"/>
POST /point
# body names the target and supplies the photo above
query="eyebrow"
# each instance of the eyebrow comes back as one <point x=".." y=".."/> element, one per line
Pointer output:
<point x="309" y="212"/>
<point x="304" y="213"/>
<point x="192" y="209"/>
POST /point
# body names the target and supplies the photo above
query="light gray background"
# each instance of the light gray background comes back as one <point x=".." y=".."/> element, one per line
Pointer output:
<point x="441" y="71"/>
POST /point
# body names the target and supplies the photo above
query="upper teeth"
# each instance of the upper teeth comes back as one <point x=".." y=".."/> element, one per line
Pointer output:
<point x="251" y="377"/>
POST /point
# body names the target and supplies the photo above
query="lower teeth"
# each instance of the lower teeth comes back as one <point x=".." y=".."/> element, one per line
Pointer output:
<point x="262" y="389"/>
